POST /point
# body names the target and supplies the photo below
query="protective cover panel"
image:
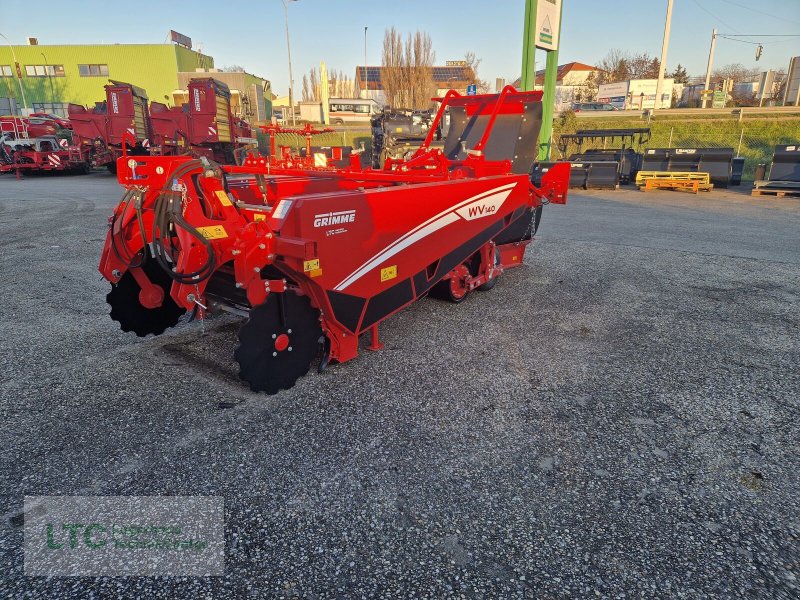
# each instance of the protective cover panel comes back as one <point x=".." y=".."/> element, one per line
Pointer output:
<point x="514" y="136"/>
<point x="346" y="308"/>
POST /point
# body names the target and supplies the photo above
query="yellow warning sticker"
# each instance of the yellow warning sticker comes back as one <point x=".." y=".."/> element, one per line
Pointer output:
<point x="310" y="265"/>
<point x="213" y="232"/>
<point x="223" y="198"/>
<point x="388" y="273"/>
<point x="259" y="217"/>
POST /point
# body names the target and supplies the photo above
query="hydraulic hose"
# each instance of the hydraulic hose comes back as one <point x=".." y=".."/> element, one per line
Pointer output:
<point x="167" y="215"/>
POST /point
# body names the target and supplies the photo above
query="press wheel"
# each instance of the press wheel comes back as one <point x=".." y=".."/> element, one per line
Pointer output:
<point x="278" y="342"/>
<point x="453" y="287"/>
<point x="128" y="311"/>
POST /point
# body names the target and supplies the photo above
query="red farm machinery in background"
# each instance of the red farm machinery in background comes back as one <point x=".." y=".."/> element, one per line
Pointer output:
<point x="31" y="145"/>
<point x="126" y="122"/>
<point x="204" y="126"/>
<point x="310" y="156"/>
<point x="316" y="258"/>
<point x="122" y="121"/>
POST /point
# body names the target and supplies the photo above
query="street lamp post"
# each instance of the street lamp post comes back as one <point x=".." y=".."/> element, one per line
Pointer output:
<point x="289" y="52"/>
<point x="49" y="79"/>
<point x="16" y="65"/>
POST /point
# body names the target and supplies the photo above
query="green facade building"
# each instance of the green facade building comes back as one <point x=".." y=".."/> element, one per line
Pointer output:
<point x="55" y="75"/>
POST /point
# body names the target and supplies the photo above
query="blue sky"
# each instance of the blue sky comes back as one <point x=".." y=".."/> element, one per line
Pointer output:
<point x="333" y="30"/>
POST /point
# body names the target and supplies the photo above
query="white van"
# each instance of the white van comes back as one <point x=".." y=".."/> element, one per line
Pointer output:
<point x="352" y="109"/>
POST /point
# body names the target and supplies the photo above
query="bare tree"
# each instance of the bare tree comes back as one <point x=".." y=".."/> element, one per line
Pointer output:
<point x="306" y="90"/>
<point x="735" y="71"/>
<point x="420" y="69"/>
<point x="615" y="66"/>
<point x="313" y="84"/>
<point x="407" y="73"/>
<point x="232" y="69"/>
<point x="473" y="63"/>
<point x="392" y="62"/>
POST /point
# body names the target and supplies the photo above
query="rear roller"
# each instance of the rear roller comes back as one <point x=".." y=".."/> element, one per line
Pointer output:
<point x="454" y="287"/>
<point x="128" y="310"/>
<point x="278" y="342"/>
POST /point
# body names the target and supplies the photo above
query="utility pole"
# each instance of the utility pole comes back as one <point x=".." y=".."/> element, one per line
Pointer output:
<point x="365" y="47"/>
<point x="16" y="66"/>
<point x="289" y="52"/>
<point x="708" y="68"/>
<point x="663" y="64"/>
<point x="528" y="48"/>
<point x="545" y="35"/>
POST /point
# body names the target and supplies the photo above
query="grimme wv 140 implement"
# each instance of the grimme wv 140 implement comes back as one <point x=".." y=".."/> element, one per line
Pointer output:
<point x="314" y="258"/>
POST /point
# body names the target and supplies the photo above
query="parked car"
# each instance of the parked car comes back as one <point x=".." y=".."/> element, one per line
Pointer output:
<point x="591" y="106"/>
<point x="60" y="121"/>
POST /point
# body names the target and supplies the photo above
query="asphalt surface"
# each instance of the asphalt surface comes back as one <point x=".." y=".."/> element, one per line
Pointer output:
<point x="617" y="418"/>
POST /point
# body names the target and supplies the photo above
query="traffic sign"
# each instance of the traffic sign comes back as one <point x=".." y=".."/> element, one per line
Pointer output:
<point x="472" y="89"/>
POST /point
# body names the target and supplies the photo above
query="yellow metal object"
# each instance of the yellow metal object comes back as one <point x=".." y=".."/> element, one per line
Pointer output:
<point x="673" y="180"/>
<point x="223" y="198"/>
<point x="389" y="273"/>
<point x="213" y="232"/>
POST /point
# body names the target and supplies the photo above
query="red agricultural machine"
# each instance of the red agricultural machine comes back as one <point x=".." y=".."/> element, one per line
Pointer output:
<point x="314" y="259"/>
<point x="128" y="123"/>
<point x="310" y="157"/>
<point x="31" y="145"/>
<point x="205" y="126"/>
<point x="121" y="123"/>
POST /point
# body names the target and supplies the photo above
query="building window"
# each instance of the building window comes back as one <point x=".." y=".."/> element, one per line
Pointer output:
<point x="44" y="70"/>
<point x="93" y="70"/>
<point x="6" y="71"/>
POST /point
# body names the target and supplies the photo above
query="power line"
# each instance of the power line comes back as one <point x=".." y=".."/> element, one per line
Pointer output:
<point x="704" y="9"/>
<point x="760" y="12"/>
<point x="760" y="35"/>
<point x="724" y="37"/>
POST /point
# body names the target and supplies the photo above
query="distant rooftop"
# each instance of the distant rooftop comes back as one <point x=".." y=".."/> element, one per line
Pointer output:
<point x="450" y="76"/>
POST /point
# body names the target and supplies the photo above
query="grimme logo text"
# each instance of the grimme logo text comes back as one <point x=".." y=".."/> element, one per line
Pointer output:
<point x="96" y="536"/>
<point x="334" y="218"/>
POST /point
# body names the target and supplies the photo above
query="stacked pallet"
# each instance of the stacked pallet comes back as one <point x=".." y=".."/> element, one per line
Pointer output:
<point x="674" y="180"/>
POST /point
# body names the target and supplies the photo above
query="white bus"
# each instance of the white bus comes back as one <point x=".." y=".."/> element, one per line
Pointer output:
<point x="342" y="110"/>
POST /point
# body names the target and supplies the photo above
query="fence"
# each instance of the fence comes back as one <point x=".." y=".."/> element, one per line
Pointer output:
<point x="754" y="141"/>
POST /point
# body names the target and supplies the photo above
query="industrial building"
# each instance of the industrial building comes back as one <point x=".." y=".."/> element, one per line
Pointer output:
<point x="456" y="75"/>
<point x="46" y="78"/>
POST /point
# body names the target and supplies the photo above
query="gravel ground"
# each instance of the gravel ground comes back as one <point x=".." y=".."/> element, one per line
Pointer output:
<point x="617" y="418"/>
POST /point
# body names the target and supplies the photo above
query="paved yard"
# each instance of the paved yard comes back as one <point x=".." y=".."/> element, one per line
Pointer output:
<point x="618" y="417"/>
